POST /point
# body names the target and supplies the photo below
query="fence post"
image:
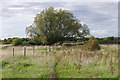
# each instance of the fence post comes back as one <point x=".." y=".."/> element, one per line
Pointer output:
<point x="33" y="50"/>
<point x="24" y="51"/>
<point x="46" y="48"/>
<point x="49" y="49"/>
<point x="53" y="48"/>
<point x="13" y="53"/>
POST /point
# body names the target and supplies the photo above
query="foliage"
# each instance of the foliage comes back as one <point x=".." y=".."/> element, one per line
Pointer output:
<point x="51" y="26"/>
<point x="25" y="43"/>
<point x="109" y="40"/>
<point x="30" y="67"/>
<point x="91" y="38"/>
<point x="68" y="44"/>
<point x="4" y="63"/>
<point x="17" y="41"/>
<point x="37" y="41"/>
<point x="74" y="63"/>
<point x="94" y="45"/>
<point x="67" y="62"/>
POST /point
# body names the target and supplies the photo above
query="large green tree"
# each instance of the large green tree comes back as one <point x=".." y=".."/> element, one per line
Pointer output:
<point x="51" y="26"/>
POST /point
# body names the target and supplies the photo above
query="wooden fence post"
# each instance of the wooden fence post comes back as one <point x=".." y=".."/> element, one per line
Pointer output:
<point x="49" y="49"/>
<point x="33" y="49"/>
<point x="53" y="48"/>
<point x="46" y="48"/>
<point x="13" y="53"/>
<point x="24" y="51"/>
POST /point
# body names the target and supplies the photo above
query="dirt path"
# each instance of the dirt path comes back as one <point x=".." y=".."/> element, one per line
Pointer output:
<point x="54" y="74"/>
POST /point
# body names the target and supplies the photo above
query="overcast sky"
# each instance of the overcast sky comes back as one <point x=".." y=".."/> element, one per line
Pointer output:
<point x="101" y="17"/>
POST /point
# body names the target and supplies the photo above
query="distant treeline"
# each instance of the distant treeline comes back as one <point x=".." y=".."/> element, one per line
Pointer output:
<point x="107" y="40"/>
<point x="28" y="42"/>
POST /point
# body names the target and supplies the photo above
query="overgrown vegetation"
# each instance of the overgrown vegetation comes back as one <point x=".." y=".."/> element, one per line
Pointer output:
<point x="92" y="45"/>
<point x="28" y="42"/>
<point x="29" y="67"/>
<point x="73" y="55"/>
<point x="65" y="62"/>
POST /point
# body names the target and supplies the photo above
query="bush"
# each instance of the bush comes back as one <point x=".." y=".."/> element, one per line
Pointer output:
<point x="80" y="44"/>
<point x="85" y="42"/>
<point x="91" y="38"/>
<point x="79" y="40"/>
<point x="25" y="43"/>
<point x="6" y="43"/>
<point x="4" y="63"/>
<point x="26" y="64"/>
<point x="94" y="45"/>
<point x="17" y="42"/>
<point x="68" y="45"/>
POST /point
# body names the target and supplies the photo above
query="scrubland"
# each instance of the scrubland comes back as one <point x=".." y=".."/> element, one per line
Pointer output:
<point x="60" y="62"/>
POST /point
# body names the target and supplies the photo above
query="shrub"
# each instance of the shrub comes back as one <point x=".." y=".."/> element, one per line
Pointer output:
<point x="68" y="45"/>
<point x="80" y="44"/>
<point x="17" y="42"/>
<point x="26" y="64"/>
<point x="4" y="63"/>
<point x="91" y="38"/>
<point x="94" y="45"/>
<point x="79" y="40"/>
<point x="25" y="43"/>
<point x="6" y="43"/>
<point x="85" y="42"/>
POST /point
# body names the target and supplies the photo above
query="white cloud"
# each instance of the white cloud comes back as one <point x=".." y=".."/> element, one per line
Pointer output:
<point x="99" y="16"/>
<point x="0" y="18"/>
<point x="5" y="36"/>
<point x="8" y="35"/>
<point x="20" y="8"/>
<point x="103" y="33"/>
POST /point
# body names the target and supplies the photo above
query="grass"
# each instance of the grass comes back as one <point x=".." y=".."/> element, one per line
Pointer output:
<point x="0" y="69"/>
<point x="65" y="62"/>
<point x="5" y="44"/>
<point x="88" y="66"/>
<point x="29" y="67"/>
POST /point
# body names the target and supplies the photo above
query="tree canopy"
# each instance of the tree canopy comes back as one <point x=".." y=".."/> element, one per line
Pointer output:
<point x="52" y="25"/>
<point x="17" y="41"/>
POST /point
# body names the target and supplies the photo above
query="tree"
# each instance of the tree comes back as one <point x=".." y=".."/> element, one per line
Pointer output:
<point x="51" y="26"/>
<point x="91" y="38"/>
<point x="9" y="40"/>
<point x="17" y="41"/>
<point x="5" y="40"/>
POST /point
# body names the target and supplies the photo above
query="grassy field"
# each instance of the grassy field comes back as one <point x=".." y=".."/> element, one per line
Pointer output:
<point x="60" y="62"/>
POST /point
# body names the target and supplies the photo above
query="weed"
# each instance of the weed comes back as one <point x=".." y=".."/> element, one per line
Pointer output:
<point x="4" y="63"/>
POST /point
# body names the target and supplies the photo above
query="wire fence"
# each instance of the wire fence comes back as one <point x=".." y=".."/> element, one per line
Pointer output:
<point x="8" y="51"/>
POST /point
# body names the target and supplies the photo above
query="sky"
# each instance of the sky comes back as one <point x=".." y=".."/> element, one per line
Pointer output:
<point x="101" y="17"/>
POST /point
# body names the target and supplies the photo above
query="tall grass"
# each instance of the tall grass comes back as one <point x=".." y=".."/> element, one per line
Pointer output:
<point x="61" y="62"/>
<point x="77" y="62"/>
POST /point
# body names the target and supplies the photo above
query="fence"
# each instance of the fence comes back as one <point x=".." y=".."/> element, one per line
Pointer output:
<point x="26" y="50"/>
